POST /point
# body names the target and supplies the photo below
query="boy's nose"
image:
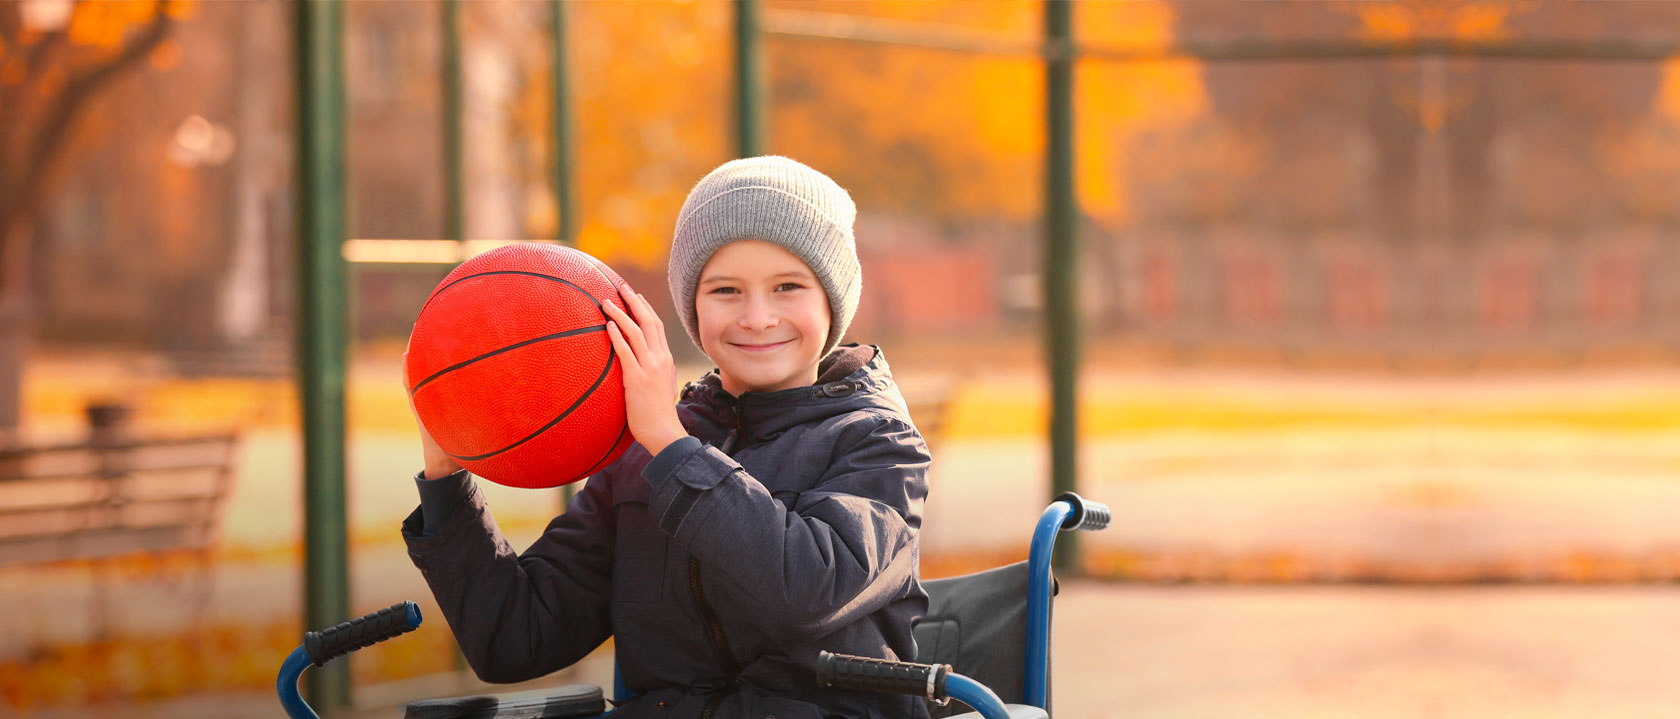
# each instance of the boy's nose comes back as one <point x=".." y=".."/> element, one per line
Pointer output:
<point x="757" y="315"/>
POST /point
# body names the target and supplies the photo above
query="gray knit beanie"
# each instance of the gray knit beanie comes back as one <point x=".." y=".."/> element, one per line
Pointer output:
<point x="778" y="200"/>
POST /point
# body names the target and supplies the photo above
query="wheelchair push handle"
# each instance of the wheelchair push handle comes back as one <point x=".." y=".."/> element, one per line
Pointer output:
<point x="884" y="676"/>
<point x="1087" y="515"/>
<point x="329" y="644"/>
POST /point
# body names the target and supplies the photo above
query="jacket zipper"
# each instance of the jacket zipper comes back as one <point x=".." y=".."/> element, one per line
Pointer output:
<point x="714" y="628"/>
<point x="719" y="642"/>
<point x="733" y="442"/>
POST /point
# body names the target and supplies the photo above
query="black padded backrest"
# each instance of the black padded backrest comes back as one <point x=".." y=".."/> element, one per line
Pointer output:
<point x="977" y="623"/>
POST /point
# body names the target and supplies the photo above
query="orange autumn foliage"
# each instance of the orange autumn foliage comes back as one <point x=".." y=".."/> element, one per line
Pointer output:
<point x="951" y="137"/>
<point x="959" y="136"/>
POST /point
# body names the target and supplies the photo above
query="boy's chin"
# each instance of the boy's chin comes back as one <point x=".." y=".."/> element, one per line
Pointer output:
<point x="759" y="381"/>
<point x="764" y="379"/>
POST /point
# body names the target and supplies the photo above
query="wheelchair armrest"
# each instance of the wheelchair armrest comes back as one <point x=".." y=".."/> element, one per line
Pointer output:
<point x="934" y="682"/>
<point x="572" y="701"/>
<point x="1016" y="711"/>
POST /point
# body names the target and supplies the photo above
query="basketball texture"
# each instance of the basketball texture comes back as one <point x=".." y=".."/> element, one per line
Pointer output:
<point x="511" y="369"/>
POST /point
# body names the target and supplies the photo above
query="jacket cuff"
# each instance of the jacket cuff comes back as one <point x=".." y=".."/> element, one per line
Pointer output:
<point x="438" y="498"/>
<point x="693" y="473"/>
<point x="450" y="543"/>
<point x="667" y="460"/>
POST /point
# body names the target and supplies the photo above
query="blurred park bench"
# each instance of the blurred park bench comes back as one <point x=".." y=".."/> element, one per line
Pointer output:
<point x="114" y="494"/>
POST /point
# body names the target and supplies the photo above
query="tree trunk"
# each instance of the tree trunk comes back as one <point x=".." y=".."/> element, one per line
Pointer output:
<point x="16" y="317"/>
<point x="26" y="180"/>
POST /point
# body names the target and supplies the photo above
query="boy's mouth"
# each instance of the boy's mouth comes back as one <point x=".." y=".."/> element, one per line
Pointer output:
<point x="759" y="348"/>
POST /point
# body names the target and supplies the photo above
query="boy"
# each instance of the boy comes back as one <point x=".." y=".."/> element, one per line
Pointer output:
<point x="768" y="513"/>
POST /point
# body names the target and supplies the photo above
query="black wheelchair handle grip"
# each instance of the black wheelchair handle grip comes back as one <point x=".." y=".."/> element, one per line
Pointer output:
<point x="329" y="644"/>
<point x="883" y="676"/>
<point x="1087" y="515"/>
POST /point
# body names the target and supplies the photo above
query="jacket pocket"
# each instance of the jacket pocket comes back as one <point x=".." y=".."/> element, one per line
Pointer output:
<point x="638" y="556"/>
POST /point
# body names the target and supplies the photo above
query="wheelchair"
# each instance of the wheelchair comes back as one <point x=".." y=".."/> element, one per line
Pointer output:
<point x="984" y="642"/>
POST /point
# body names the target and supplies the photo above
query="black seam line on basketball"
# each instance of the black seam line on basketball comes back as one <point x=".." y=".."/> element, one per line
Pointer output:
<point x="586" y="394"/>
<point x="597" y="465"/>
<point x="509" y="348"/>
<point x="616" y="440"/>
<point x="561" y="280"/>
<point x="617" y="289"/>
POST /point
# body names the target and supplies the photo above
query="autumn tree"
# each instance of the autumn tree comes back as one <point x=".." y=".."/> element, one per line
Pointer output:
<point x="943" y="136"/>
<point x="955" y="137"/>
<point x="56" y="57"/>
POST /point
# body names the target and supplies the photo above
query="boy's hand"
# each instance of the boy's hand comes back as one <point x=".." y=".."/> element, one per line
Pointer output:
<point x="438" y="463"/>
<point x="650" y="375"/>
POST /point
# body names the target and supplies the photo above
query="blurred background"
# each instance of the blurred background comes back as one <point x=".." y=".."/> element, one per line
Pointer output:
<point x="1375" y="360"/>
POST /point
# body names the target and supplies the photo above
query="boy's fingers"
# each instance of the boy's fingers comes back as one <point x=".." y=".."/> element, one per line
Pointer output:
<point x="405" y="377"/>
<point x="637" y="306"/>
<point x="625" y="356"/>
<point x="629" y="336"/>
<point x="614" y="314"/>
<point x="657" y="325"/>
<point x="627" y="327"/>
<point x="640" y="306"/>
<point x="628" y="295"/>
<point x="652" y="317"/>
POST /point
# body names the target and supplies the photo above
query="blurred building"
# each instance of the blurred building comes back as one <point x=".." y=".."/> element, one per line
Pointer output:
<point x="1397" y="206"/>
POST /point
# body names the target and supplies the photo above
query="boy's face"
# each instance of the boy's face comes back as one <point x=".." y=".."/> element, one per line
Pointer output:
<point x="763" y="317"/>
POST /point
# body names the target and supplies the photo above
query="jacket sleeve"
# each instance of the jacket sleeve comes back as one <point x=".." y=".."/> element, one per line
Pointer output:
<point x="518" y="617"/>
<point x="845" y="550"/>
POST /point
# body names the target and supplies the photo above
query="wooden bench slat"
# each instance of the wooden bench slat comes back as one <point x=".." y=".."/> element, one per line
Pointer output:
<point x="103" y="543"/>
<point x="84" y="476"/>
<point x="93" y="501"/>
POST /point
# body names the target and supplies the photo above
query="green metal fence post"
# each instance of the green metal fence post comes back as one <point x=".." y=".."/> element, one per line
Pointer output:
<point x="454" y="218"/>
<point x="1061" y="257"/>
<point x="750" y="123"/>
<point x="454" y="213"/>
<point x="321" y="331"/>
<point x="565" y="194"/>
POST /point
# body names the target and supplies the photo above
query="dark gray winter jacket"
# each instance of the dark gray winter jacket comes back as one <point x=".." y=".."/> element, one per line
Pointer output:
<point x="786" y="524"/>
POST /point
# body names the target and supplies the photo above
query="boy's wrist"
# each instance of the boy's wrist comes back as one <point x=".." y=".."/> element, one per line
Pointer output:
<point x="659" y="442"/>
<point x="665" y="461"/>
<point x="439" y="470"/>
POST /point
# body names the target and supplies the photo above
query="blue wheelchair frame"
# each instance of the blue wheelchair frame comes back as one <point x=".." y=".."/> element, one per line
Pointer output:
<point x="1067" y="512"/>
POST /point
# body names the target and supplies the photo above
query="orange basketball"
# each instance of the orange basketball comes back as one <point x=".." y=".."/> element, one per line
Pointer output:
<point x="511" y="369"/>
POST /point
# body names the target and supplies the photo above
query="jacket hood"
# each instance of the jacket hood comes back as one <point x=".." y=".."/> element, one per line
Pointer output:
<point x="852" y="377"/>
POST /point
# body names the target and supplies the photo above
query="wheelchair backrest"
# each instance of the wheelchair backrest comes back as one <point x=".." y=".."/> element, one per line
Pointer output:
<point x="977" y="623"/>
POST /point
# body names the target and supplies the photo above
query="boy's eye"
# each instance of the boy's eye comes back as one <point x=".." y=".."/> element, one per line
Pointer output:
<point x="790" y="286"/>
<point x="722" y="290"/>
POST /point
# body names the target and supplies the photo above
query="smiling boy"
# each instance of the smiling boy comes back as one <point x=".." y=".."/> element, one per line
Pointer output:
<point x="769" y="511"/>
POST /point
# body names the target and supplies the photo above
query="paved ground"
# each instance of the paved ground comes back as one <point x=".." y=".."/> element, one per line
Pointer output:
<point x="1186" y="506"/>
<point x="1373" y="653"/>
<point x="1217" y="477"/>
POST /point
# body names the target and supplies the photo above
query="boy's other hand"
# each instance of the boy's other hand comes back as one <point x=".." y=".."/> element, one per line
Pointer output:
<point x="438" y="462"/>
<point x="650" y="375"/>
